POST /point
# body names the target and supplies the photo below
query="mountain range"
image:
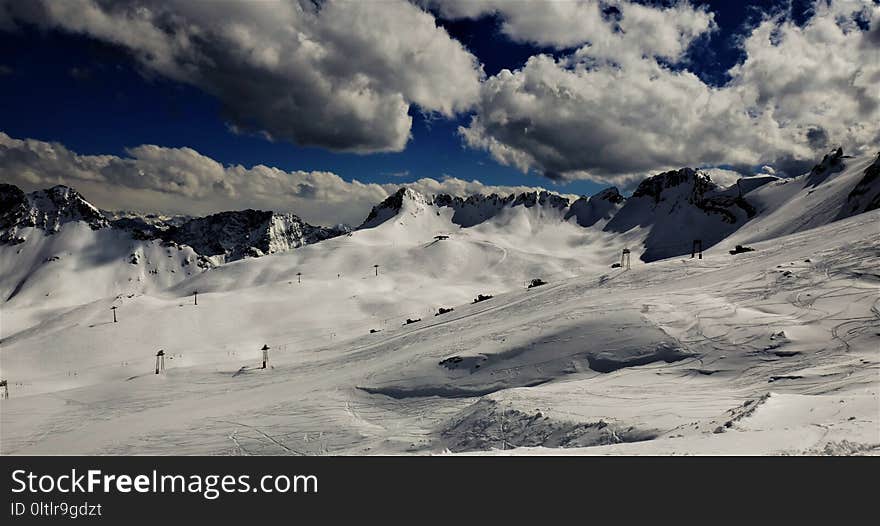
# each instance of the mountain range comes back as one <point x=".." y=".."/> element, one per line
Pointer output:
<point x="452" y="323"/>
<point x="662" y="218"/>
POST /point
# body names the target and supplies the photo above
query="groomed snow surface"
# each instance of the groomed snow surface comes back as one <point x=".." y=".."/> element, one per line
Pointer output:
<point x="774" y="351"/>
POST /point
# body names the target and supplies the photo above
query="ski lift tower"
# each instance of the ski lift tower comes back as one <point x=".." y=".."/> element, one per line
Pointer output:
<point x="5" y="387"/>
<point x="160" y="361"/>
<point x="265" y="350"/>
<point x="624" y="258"/>
<point x="697" y="248"/>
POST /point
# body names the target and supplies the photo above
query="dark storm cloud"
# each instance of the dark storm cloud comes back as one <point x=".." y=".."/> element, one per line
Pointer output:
<point x="818" y="138"/>
<point x="336" y="74"/>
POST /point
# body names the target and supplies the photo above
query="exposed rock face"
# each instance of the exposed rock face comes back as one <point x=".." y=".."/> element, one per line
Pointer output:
<point x="866" y="194"/>
<point x="47" y="210"/>
<point x="144" y="225"/>
<point x="680" y="206"/>
<point x="232" y="235"/>
<point x="14" y="209"/>
<point x="693" y="185"/>
<point x="831" y="163"/>
<point x="468" y="211"/>
<point x="477" y="208"/>
<point x="247" y="233"/>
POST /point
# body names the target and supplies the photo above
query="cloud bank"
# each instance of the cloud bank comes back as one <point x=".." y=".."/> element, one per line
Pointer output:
<point x="336" y="74"/>
<point x="614" y="102"/>
<point x="614" y="108"/>
<point x="183" y="181"/>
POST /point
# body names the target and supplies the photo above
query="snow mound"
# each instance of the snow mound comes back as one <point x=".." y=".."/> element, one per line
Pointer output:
<point x="607" y="362"/>
<point x="488" y="425"/>
<point x="525" y="360"/>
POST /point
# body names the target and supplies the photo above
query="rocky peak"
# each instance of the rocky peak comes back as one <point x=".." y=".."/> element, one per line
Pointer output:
<point x="831" y="163"/>
<point x="14" y="206"/>
<point x="392" y="205"/>
<point x="611" y="195"/>
<point x="247" y="233"/>
<point x="47" y="210"/>
<point x="685" y="182"/>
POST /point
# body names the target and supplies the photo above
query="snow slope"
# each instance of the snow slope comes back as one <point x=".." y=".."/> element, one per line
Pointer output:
<point x="770" y="351"/>
<point x="823" y="195"/>
<point x="679" y="356"/>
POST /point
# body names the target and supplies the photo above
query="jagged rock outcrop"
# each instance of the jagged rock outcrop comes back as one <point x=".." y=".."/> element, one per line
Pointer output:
<point x="232" y="235"/>
<point x="467" y="211"/>
<point x="247" y="233"/>
<point x="47" y="210"/>
<point x="831" y="163"/>
<point x="477" y="208"/>
<point x="866" y="194"/>
<point x="144" y="225"/>
<point x="678" y="207"/>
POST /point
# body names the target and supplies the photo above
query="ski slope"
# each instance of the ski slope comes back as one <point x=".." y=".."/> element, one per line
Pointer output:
<point x="773" y="351"/>
<point x="703" y="356"/>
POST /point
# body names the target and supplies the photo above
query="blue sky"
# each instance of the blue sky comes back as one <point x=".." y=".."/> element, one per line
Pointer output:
<point x="92" y="98"/>
<point x="94" y="93"/>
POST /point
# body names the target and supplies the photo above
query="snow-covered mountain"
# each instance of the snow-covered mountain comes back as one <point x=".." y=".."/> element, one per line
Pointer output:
<point x="230" y="236"/>
<point x="661" y="219"/>
<point x="866" y="194"/>
<point x="677" y="207"/>
<point x="53" y="242"/>
<point x="223" y="237"/>
<point x="669" y="211"/>
<point x="838" y="187"/>
<point x="47" y="210"/>
<point x="466" y="211"/>
<point x="57" y="251"/>
<point x="602" y="206"/>
<point x="378" y="345"/>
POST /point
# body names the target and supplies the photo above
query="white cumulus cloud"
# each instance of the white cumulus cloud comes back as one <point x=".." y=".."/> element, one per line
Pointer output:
<point x="613" y="109"/>
<point x="335" y="74"/>
<point x="182" y="181"/>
